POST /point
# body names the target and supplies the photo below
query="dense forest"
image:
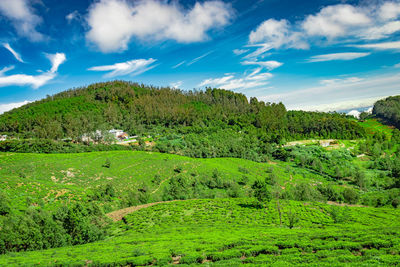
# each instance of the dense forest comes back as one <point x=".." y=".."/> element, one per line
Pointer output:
<point x="388" y="109"/>
<point x="140" y="110"/>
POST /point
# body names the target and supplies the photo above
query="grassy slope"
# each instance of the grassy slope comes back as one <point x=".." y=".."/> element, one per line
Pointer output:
<point x="60" y="177"/>
<point x="232" y="231"/>
<point x="372" y="126"/>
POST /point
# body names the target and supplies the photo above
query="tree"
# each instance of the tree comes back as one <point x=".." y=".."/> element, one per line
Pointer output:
<point x="293" y="219"/>
<point x="261" y="192"/>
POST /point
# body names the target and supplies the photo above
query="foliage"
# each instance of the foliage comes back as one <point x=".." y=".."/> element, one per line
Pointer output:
<point x="388" y="109"/>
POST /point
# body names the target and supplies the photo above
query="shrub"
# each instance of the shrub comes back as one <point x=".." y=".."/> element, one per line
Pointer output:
<point x="107" y="163"/>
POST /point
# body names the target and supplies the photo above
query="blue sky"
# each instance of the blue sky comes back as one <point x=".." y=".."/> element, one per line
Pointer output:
<point x="311" y="55"/>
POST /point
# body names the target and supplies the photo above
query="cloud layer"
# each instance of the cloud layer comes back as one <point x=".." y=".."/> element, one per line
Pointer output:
<point x="133" y="67"/>
<point x="114" y="22"/>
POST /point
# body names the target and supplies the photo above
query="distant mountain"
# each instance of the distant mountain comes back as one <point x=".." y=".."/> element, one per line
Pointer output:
<point x="388" y="109"/>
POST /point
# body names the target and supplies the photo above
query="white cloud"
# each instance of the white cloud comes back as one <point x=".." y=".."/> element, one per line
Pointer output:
<point x="269" y="65"/>
<point x="340" y="81"/>
<point x="337" y="56"/>
<point x="380" y="32"/>
<point x="389" y="10"/>
<point x="339" y="94"/>
<point x="230" y="82"/>
<point x="381" y="46"/>
<point x="35" y="81"/>
<point x="22" y="16"/>
<point x="276" y="34"/>
<point x="114" y="22"/>
<point x="12" y="51"/>
<point x="240" y="51"/>
<point x="179" y="64"/>
<point x="355" y="113"/>
<point x="335" y="21"/>
<point x="10" y="106"/>
<point x="176" y="85"/>
<point x="133" y="67"/>
<point x="198" y="58"/>
<point x="73" y="16"/>
<point x="56" y="60"/>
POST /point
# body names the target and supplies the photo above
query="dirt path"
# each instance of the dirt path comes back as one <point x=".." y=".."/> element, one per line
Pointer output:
<point x="119" y="214"/>
<point x="159" y="186"/>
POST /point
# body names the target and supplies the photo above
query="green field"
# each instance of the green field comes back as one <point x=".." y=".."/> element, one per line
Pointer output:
<point x="230" y="232"/>
<point x="331" y="206"/>
<point x="49" y="179"/>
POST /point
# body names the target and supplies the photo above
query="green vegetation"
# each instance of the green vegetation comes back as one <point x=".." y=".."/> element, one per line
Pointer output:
<point x="230" y="232"/>
<point x="212" y="178"/>
<point x="388" y="110"/>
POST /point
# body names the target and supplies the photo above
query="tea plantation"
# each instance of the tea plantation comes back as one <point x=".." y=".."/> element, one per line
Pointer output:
<point x="231" y="232"/>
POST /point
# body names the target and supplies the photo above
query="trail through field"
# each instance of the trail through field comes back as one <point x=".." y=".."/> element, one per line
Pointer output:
<point x="159" y="186"/>
<point x="119" y="214"/>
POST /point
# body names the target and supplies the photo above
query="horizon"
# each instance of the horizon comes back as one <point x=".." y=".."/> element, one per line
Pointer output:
<point x="320" y="56"/>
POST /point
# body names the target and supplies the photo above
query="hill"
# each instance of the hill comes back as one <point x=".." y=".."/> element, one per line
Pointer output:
<point x="143" y="110"/>
<point x="388" y="109"/>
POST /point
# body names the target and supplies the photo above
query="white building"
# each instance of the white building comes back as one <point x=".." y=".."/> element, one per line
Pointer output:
<point x="3" y="137"/>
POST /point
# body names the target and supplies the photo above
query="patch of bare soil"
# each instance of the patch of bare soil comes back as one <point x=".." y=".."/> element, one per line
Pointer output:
<point x="119" y="214"/>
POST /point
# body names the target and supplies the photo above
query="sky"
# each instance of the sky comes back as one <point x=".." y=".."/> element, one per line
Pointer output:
<point x="311" y="55"/>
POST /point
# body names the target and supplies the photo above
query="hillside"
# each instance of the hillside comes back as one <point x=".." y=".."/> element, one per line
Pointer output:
<point x="388" y="110"/>
<point x="211" y="177"/>
<point x="230" y="232"/>
<point x="142" y="110"/>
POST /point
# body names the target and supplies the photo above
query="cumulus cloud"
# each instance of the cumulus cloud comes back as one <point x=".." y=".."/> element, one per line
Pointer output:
<point x="334" y="23"/>
<point x="269" y="65"/>
<point x="12" y="51"/>
<point x="10" y="106"/>
<point x="132" y="67"/>
<point x="35" y="81"/>
<point x="337" y="56"/>
<point x="276" y="34"/>
<point x="23" y="18"/>
<point x="389" y="10"/>
<point x="114" y="22"/>
<point x="231" y="82"/>
<point x="339" y="94"/>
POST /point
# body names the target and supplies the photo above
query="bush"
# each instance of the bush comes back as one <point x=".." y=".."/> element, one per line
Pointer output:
<point x="350" y="196"/>
<point x="107" y="164"/>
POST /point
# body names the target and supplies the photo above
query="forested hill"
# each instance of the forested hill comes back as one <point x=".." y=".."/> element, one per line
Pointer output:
<point x="140" y="109"/>
<point x="388" y="109"/>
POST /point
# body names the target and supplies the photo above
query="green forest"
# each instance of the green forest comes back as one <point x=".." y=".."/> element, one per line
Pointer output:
<point x="211" y="177"/>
